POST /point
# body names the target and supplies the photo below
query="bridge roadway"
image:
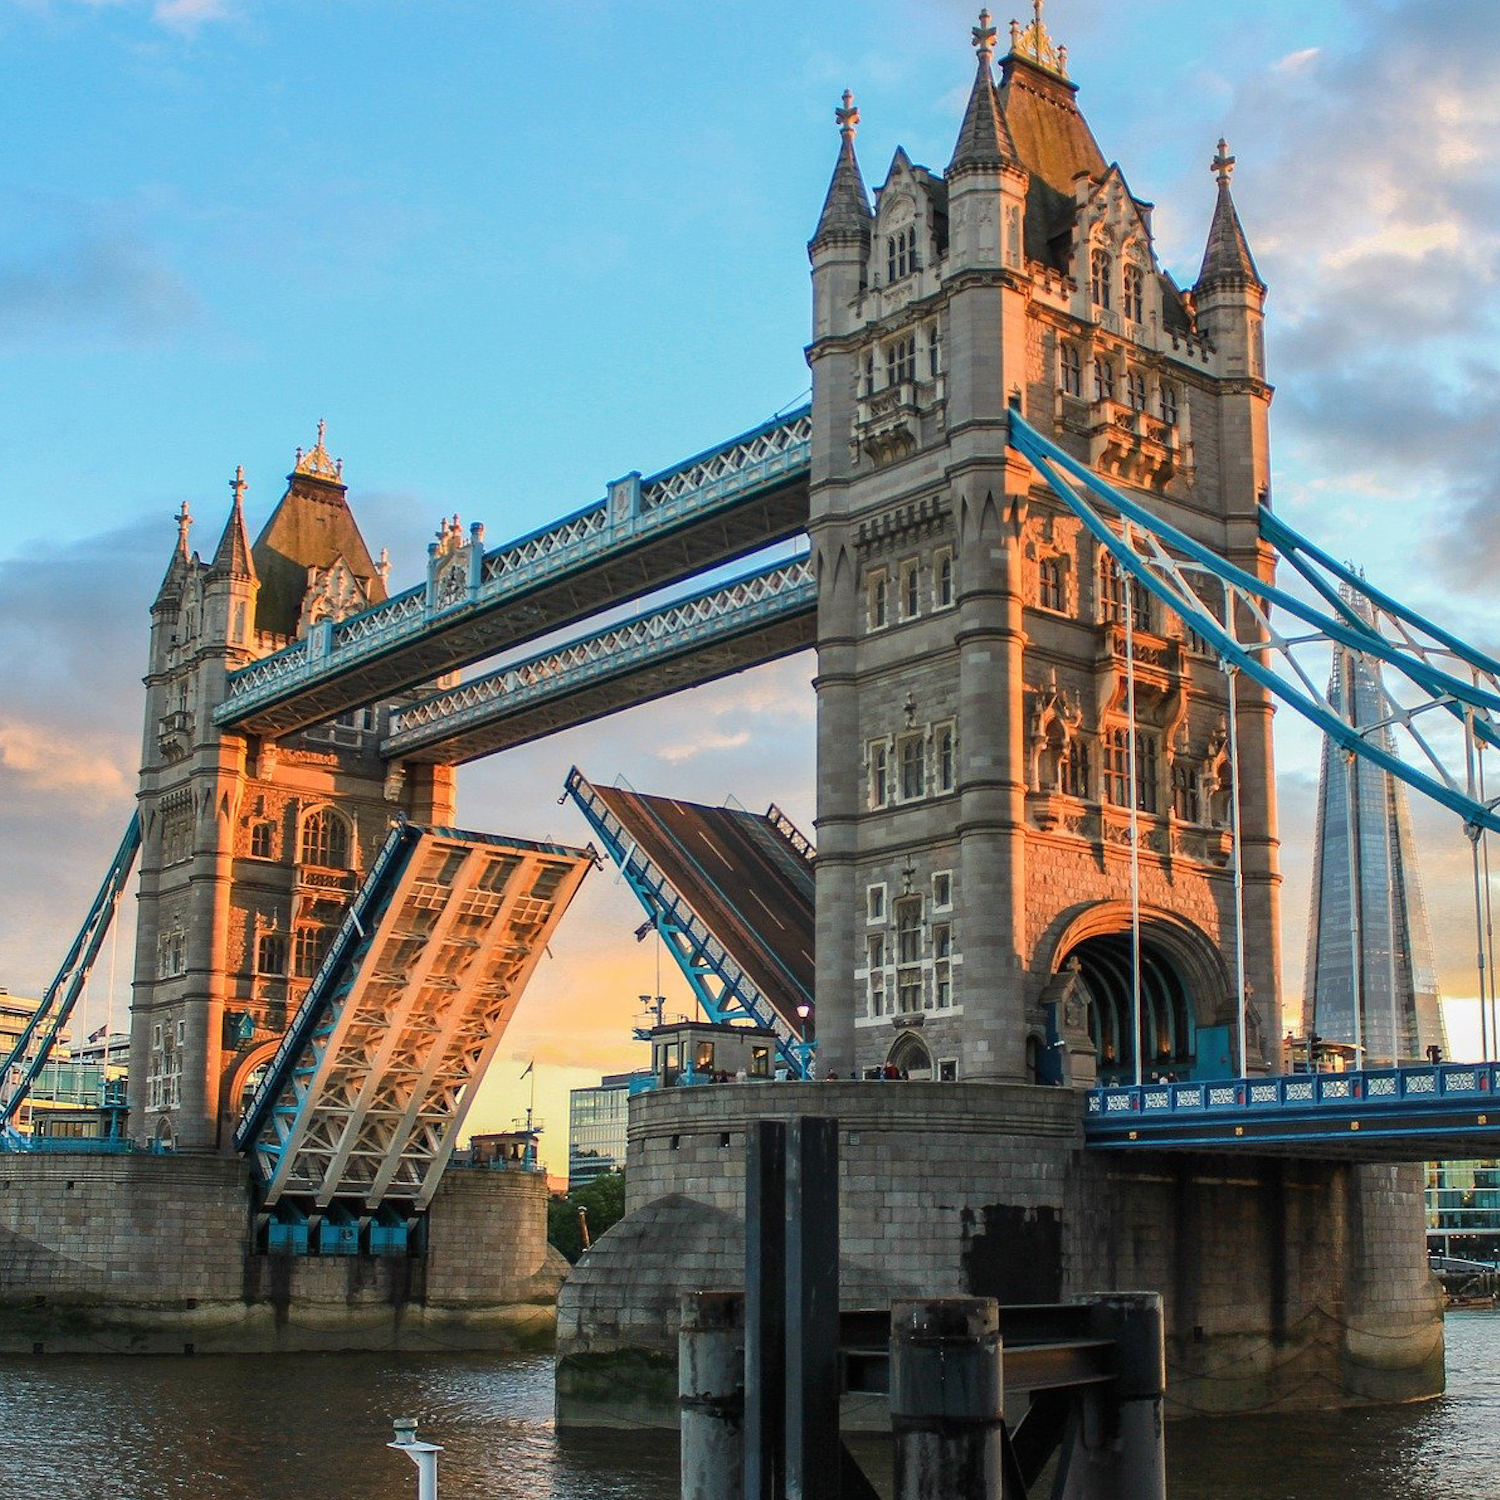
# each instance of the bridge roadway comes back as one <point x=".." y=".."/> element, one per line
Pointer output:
<point x="754" y="619"/>
<point x="1447" y="1112"/>
<point x="645" y="535"/>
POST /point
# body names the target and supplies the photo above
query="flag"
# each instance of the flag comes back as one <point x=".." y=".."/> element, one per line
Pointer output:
<point x="529" y="1066"/>
<point x="94" y="1036"/>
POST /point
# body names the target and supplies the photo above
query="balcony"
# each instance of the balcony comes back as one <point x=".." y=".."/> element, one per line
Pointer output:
<point x="1136" y="448"/>
<point x="174" y="734"/>
<point x="888" y="422"/>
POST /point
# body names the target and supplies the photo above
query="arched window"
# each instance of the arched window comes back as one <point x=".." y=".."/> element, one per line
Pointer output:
<point x="1135" y="287"/>
<point x="1112" y="595"/>
<point x="260" y="841"/>
<point x="1135" y="390"/>
<point x="1051" y="584"/>
<point x="943" y="585"/>
<point x="325" y="840"/>
<point x="1169" y="403"/>
<point x="901" y="253"/>
<point x="1104" y="379"/>
<point x="1100" y="275"/>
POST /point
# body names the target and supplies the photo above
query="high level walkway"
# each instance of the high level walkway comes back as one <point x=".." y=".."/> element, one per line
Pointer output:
<point x="365" y="1097"/>
<point x="757" y="618"/>
<point x="645" y="535"/>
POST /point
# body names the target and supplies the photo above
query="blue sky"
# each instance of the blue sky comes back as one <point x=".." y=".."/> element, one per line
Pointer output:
<point x="512" y="250"/>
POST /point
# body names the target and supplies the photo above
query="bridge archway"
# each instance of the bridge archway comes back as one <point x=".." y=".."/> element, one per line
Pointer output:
<point x="1184" y="988"/>
<point x="245" y="1076"/>
<point x="911" y="1056"/>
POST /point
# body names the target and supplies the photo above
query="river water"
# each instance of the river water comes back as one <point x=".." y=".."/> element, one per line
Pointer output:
<point x="312" y="1427"/>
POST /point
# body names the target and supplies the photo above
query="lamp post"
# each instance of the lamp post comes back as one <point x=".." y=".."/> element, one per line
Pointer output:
<point x="423" y="1455"/>
<point x="807" y="1042"/>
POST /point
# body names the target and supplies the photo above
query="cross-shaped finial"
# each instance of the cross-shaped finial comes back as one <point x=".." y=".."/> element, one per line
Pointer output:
<point x="184" y="521"/>
<point x="847" y="117"/>
<point x="322" y="428"/>
<point x="1223" y="164"/>
<point x="237" y="485"/>
<point x="984" y="37"/>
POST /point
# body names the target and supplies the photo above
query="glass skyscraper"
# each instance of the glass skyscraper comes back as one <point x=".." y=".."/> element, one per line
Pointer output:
<point x="596" y="1128"/>
<point x="1368" y="933"/>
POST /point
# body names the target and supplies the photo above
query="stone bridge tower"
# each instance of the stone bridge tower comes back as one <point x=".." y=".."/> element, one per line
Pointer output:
<point x="973" y="819"/>
<point x="251" y="848"/>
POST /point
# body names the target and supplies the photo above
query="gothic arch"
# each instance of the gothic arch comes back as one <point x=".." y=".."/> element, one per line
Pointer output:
<point x="909" y="1053"/>
<point x="325" y="837"/>
<point x="239" y="1076"/>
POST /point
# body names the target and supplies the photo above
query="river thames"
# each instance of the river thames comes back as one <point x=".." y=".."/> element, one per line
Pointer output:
<point x="289" y="1428"/>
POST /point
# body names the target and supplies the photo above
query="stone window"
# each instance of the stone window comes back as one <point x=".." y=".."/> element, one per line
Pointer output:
<point x="760" y="1062"/>
<point x="309" y="944"/>
<point x="943" y="767"/>
<point x="875" y="903"/>
<point x="934" y="352"/>
<point x="1169" y="403"/>
<point x="1101" y="273"/>
<point x="875" y="951"/>
<point x="901" y="253"/>
<point x="1052" y="587"/>
<point x="911" y="590"/>
<point x="942" y="579"/>
<point x="942" y="966"/>
<point x="913" y="768"/>
<point x="262" y="841"/>
<point x="1112" y="594"/>
<point x="171" y="953"/>
<point x="1117" y="769"/>
<point x="909" y="930"/>
<point x="901" y="360"/>
<point x="1134" y="288"/>
<point x="325" y="840"/>
<point x="270" y="953"/>
<point x="869" y="369"/>
<point x="1187" y="801"/>
<point x="1104" y="378"/>
<point x="942" y="890"/>
<point x="1135" y="390"/>
<point x="1075" y="771"/>
<point x="948" y="1070"/>
<point x="880" y="774"/>
<point x="877" y="599"/>
<point x="1070" y="370"/>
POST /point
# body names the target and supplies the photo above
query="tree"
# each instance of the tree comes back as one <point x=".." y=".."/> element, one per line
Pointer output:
<point x="604" y="1200"/>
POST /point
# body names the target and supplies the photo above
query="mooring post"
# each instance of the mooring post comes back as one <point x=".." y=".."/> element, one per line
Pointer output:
<point x="814" y="1459"/>
<point x="947" y="1398"/>
<point x="765" y="1311"/>
<point x="711" y="1395"/>
<point x="1122" y="1448"/>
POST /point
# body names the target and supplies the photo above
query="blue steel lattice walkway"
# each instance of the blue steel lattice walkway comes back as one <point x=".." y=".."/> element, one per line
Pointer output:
<point x="1391" y="1114"/>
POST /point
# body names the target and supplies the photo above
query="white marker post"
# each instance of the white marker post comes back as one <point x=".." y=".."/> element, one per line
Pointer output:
<point x="423" y="1455"/>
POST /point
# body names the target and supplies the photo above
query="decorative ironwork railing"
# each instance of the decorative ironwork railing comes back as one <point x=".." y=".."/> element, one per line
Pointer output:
<point x="774" y="452"/>
<point x="772" y="593"/>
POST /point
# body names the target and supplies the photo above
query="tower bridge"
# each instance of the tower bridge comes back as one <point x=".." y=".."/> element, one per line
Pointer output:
<point x="1035" y="485"/>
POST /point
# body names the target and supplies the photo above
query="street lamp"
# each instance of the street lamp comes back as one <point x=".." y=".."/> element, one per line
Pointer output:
<point x="423" y="1455"/>
<point x="807" y="1042"/>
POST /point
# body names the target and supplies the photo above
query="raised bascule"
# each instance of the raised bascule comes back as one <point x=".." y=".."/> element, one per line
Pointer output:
<point x="1039" y="576"/>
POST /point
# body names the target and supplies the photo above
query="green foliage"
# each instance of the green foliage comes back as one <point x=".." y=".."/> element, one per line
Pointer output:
<point x="604" y="1198"/>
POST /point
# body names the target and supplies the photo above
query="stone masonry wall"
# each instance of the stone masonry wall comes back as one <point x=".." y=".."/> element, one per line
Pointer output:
<point x="1287" y="1284"/>
<point x="152" y="1254"/>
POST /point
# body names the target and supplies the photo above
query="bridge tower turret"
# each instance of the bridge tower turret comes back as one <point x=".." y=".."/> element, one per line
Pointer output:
<point x="975" y="895"/>
<point x="251" y="848"/>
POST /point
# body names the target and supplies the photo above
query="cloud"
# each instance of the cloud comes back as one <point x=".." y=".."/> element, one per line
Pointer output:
<point x="704" y="741"/>
<point x="182" y="16"/>
<point x="87" y="272"/>
<point x="32" y="759"/>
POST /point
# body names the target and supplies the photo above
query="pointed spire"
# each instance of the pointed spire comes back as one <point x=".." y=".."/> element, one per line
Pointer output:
<point x="176" y="574"/>
<point x="317" y="464"/>
<point x="232" y="555"/>
<point x="984" y="138"/>
<point x="846" y="209"/>
<point x="1226" y="258"/>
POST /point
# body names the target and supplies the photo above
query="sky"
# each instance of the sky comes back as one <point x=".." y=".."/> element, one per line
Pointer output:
<point x="512" y="250"/>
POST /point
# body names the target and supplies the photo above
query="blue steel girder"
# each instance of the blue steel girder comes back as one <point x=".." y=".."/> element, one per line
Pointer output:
<point x="648" y="534"/>
<point x="723" y="990"/>
<point x="1176" y="569"/>
<point x="1445" y="1111"/>
<point x="756" y="618"/>
<point x="34" y="1046"/>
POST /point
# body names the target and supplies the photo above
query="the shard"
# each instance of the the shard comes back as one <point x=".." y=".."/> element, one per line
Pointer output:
<point x="1368" y="934"/>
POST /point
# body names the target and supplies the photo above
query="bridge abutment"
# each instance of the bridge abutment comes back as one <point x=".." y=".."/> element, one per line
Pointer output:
<point x="1287" y="1285"/>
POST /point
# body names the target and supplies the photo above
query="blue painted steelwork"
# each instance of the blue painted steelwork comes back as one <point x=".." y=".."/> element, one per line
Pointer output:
<point x="714" y="483"/>
<point x="722" y="989"/>
<point x="1412" y="1113"/>
<point x="62" y="995"/>
<point x="456" y="720"/>
<point x="1162" y="574"/>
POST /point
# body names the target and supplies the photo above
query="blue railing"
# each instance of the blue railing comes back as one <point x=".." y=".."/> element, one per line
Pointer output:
<point x="1295" y="1094"/>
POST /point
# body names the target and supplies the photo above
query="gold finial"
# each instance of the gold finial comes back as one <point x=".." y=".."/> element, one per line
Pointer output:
<point x="317" y="464"/>
<point x="1223" y="164"/>
<point x="984" y="37"/>
<point x="184" y="524"/>
<point x="237" y="485"/>
<point x="847" y="117"/>
<point x="1033" y="42"/>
